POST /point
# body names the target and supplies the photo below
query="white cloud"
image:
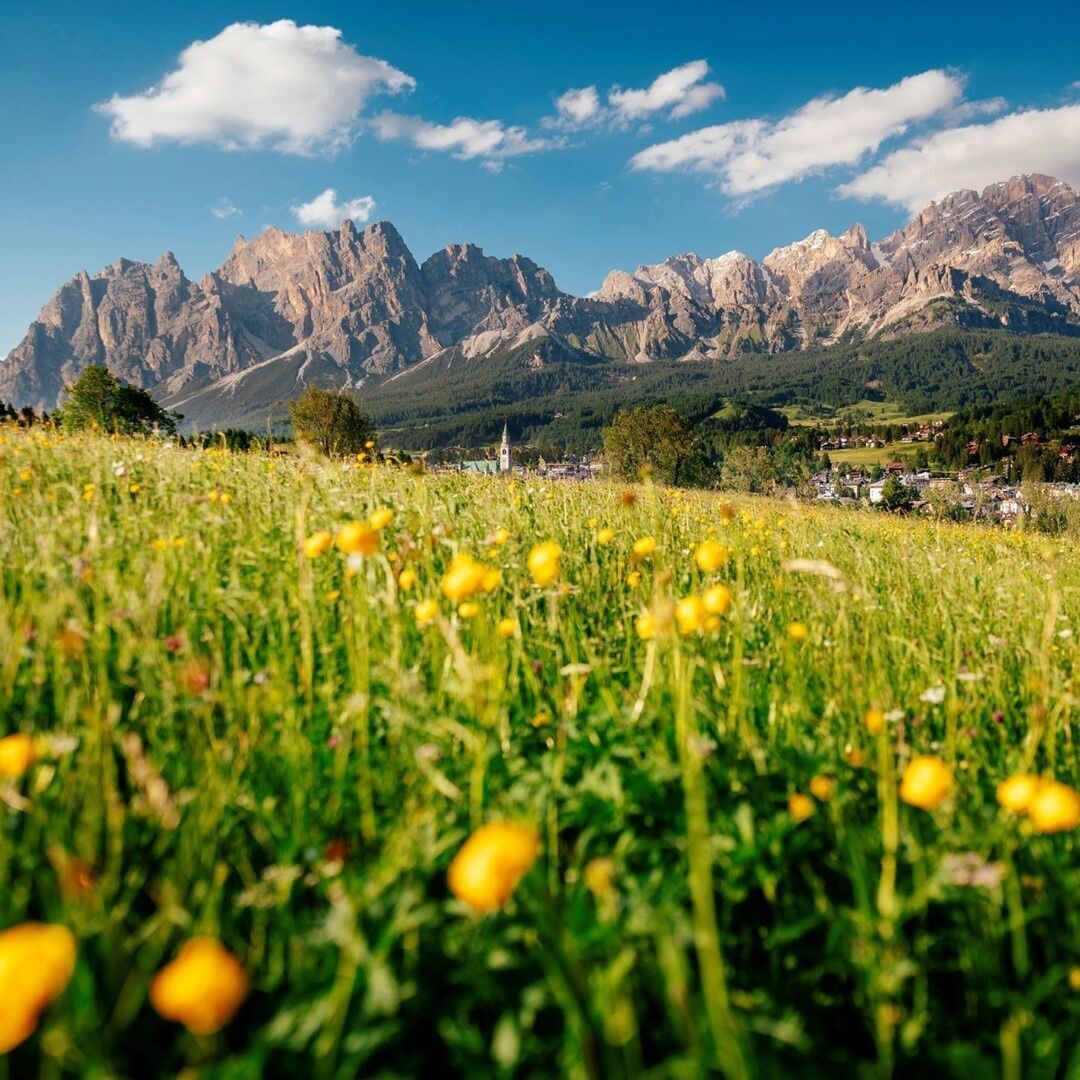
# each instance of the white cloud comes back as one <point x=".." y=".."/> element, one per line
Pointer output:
<point x="325" y="212"/>
<point x="464" y="137"/>
<point x="1034" y="140"/>
<point x="747" y="156"/>
<point x="576" y="108"/>
<point x="297" y="89"/>
<point x="678" y="92"/>
<point x="224" y="208"/>
<point x="968" y="110"/>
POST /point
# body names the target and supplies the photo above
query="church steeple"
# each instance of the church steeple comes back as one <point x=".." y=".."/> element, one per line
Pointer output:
<point x="505" y="464"/>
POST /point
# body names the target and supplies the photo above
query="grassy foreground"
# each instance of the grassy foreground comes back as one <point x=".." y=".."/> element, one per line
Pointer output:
<point x="240" y="740"/>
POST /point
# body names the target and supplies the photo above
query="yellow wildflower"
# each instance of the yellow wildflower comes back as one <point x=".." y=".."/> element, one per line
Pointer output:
<point x="202" y="988"/>
<point x="800" y="806"/>
<point x="36" y="962"/>
<point x="710" y="555"/>
<point x="874" y="720"/>
<point x="357" y="538"/>
<point x="1015" y="793"/>
<point x="717" y="599"/>
<point x="318" y="543"/>
<point x="599" y="875"/>
<point x="17" y="754"/>
<point x="465" y="577"/>
<point x="543" y="562"/>
<point x="426" y="611"/>
<point x="491" y="864"/>
<point x="1055" y="808"/>
<point x="926" y="782"/>
<point x="691" y="615"/>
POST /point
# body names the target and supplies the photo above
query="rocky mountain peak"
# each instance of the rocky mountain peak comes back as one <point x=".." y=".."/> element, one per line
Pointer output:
<point x="348" y="304"/>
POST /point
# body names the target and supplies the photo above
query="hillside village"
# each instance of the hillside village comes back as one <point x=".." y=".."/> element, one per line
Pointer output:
<point x="996" y="485"/>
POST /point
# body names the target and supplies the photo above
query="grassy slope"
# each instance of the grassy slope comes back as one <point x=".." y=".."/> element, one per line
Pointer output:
<point x="878" y="412"/>
<point x="874" y="455"/>
<point x="331" y="716"/>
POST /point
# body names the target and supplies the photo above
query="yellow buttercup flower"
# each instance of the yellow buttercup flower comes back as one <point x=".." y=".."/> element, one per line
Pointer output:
<point x="710" y="555"/>
<point x="1054" y="808"/>
<point x="926" y="782"/>
<point x="501" y="536"/>
<point x="380" y="518"/>
<point x="643" y="547"/>
<point x="822" y="787"/>
<point x="1015" y="793"/>
<point x="36" y="962"/>
<point x="855" y="757"/>
<point x="427" y="611"/>
<point x="468" y="610"/>
<point x="599" y="876"/>
<point x="17" y="754"/>
<point x="874" y="720"/>
<point x="357" y="538"/>
<point x="406" y="579"/>
<point x="318" y="543"/>
<point x="465" y="577"/>
<point x="507" y="628"/>
<point x="717" y="599"/>
<point x="605" y="537"/>
<point x="202" y="988"/>
<point x="543" y="562"/>
<point x="645" y="625"/>
<point x="491" y="864"/>
<point x="800" y="806"/>
<point x="798" y="631"/>
<point x="691" y="615"/>
<point x="633" y="579"/>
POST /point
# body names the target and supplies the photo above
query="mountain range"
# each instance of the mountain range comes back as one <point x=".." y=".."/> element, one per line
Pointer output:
<point x="351" y="308"/>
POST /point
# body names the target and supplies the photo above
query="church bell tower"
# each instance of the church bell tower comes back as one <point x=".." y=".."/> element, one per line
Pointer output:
<point x="504" y="451"/>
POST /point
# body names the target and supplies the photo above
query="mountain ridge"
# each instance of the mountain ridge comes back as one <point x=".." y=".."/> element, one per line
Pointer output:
<point x="348" y="307"/>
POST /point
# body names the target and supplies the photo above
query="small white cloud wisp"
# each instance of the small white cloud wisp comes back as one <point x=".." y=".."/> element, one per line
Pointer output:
<point x="326" y="211"/>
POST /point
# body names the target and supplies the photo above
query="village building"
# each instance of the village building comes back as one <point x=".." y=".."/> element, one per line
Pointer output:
<point x="504" y="464"/>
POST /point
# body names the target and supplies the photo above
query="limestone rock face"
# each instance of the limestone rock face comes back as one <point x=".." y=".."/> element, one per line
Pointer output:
<point x="344" y="306"/>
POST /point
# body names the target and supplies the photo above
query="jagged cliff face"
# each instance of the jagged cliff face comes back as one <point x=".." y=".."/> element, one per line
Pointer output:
<point x="341" y="307"/>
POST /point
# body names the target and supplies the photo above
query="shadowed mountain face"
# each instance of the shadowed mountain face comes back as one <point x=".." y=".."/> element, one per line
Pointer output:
<point x="340" y="308"/>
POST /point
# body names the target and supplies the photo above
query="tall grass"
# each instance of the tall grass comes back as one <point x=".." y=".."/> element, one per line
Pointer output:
<point x="309" y="759"/>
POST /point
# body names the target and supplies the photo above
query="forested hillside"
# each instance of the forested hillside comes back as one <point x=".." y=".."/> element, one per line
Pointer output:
<point x="552" y="397"/>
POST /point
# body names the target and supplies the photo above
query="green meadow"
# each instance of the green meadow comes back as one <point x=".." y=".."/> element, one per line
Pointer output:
<point x="245" y="736"/>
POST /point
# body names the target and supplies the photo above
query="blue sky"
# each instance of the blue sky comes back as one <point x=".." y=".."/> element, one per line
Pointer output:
<point x="797" y="116"/>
